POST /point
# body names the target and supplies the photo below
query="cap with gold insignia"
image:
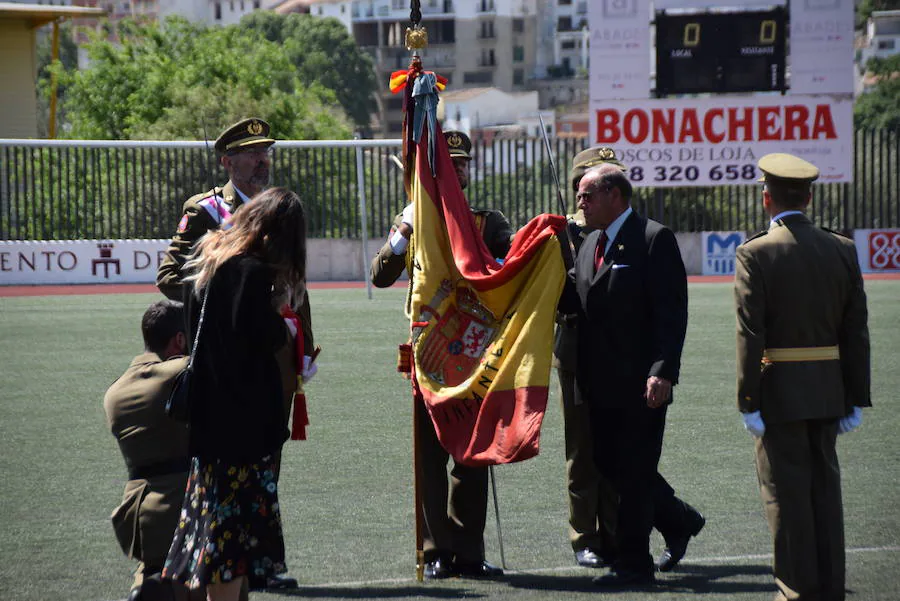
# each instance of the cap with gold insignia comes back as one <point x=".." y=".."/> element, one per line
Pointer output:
<point x="244" y="133"/>
<point x="786" y="168"/>
<point x="459" y="143"/>
<point x="591" y="157"/>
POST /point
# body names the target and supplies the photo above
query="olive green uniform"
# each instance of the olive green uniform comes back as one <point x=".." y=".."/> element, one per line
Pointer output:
<point x="155" y="449"/>
<point x="195" y="222"/>
<point x="799" y="288"/>
<point x="459" y="530"/>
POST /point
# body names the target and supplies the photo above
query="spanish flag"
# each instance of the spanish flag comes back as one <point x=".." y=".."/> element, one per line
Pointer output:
<point x="482" y="331"/>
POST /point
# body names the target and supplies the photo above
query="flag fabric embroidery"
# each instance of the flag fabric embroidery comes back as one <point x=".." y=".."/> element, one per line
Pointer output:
<point x="482" y="331"/>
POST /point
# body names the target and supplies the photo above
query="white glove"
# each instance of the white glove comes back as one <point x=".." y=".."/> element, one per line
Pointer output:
<point x="753" y="422"/>
<point x="309" y="368"/>
<point x="850" y="422"/>
<point x="292" y="327"/>
<point x="408" y="215"/>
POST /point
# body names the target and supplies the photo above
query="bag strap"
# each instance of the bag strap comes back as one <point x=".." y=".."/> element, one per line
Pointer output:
<point x="199" y="327"/>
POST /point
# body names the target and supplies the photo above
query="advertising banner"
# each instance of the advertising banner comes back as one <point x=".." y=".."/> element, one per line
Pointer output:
<point x="80" y="261"/>
<point x="717" y="140"/>
<point x="878" y="250"/>
<point x="718" y="252"/>
<point x="620" y="44"/>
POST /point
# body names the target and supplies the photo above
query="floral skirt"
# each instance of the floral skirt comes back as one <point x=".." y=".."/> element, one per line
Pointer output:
<point x="230" y="524"/>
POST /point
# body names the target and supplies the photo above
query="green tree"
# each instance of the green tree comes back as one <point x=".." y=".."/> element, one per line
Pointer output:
<point x="323" y="51"/>
<point x="177" y="79"/>
<point x="879" y="107"/>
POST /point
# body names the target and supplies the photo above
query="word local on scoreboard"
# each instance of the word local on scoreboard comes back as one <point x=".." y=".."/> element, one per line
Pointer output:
<point x="713" y="141"/>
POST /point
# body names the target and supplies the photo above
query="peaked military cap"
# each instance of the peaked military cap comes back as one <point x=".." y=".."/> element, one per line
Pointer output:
<point x="591" y="157"/>
<point x="786" y="168"/>
<point x="459" y="143"/>
<point x="247" y="132"/>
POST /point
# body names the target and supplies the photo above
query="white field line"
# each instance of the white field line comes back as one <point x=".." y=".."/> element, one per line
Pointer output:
<point x="575" y="568"/>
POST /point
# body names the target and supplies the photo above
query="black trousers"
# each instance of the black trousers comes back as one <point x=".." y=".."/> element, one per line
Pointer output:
<point x="627" y="447"/>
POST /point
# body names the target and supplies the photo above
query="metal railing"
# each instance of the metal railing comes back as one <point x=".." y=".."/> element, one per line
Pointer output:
<point x="56" y="190"/>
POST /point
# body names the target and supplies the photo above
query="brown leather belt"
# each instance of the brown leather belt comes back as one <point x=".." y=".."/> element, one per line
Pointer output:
<point x="801" y="353"/>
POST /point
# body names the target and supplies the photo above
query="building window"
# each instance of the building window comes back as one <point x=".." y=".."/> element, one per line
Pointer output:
<point x="487" y="29"/>
<point x="399" y="4"/>
<point x="518" y="25"/>
<point x="564" y="24"/>
<point x="518" y="54"/>
<point x="487" y="57"/>
<point x="565" y="2"/>
<point x="478" y="77"/>
<point x="518" y="77"/>
<point x="218" y="11"/>
<point x="568" y="45"/>
<point x="255" y="4"/>
<point x="885" y="44"/>
<point x="485" y="6"/>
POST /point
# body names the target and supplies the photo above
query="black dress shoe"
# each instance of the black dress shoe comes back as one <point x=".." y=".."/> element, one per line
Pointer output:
<point x="438" y="568"/>
<point x="588" y="558"/>
<point x="625" y="578"/>
<point x="477" y="569"/>
<point x="677" y="547"/>
<point x="274" y="583"/>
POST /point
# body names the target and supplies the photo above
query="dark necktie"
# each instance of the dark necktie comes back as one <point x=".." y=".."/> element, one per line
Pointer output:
<point x="601" y="250"/>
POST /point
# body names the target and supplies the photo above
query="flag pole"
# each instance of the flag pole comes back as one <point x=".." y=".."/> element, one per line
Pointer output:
<point x="497" y="515"/>
<point x="415" y="39"/>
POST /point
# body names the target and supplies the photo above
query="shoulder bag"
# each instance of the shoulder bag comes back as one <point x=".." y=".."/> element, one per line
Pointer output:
<point x="178" y="405"/>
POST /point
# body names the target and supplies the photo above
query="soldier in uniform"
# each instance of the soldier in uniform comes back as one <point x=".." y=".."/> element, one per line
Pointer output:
<point x="245" y="154"/>
<point x="802" y="375"/>
<point x="155" y="449"/>
<point x="454" y="535"/>
<point x="593" y="501"/>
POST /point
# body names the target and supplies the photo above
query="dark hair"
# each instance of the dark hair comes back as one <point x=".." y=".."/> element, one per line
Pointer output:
<point x="788" y="194"/>
<point x="616" y="178"/>
<point x="608" y="177"/>
<point x="161" y="322"/>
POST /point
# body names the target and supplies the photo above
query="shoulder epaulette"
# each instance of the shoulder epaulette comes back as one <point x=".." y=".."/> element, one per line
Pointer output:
<point x="836" y="233"/>
<point x="756" y="235"/>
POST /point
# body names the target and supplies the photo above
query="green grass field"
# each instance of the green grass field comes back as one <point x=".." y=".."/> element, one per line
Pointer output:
<point x="347" y="492"/>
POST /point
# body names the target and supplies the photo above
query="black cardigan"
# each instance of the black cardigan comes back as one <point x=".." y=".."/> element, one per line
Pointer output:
<point x="237" y="413"/>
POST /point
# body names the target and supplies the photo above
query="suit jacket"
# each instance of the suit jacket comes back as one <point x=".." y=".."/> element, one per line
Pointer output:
<point x="632" y="313"/>
<point x="135" y="412"/>
<point x="387" y="267"/>
<point x="195" y="222"/>
<point x="797" y="285"/>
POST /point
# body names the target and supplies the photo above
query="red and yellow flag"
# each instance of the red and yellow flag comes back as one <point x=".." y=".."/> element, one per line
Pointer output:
<point x="482" y="331"/>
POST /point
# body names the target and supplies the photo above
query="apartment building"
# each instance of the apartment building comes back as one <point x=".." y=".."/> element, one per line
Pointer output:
<point x="473" y="43"/>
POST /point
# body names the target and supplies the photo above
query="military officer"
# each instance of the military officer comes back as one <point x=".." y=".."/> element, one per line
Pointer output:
<point x="155" y="449"/>
<point x="593" y="502"/>
<point x="802" y="375"/>
<point x="244" y="150"/>
<point x="454" y="535"/>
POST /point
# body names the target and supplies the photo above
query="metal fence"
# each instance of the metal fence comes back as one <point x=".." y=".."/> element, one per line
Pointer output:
<point x="62" y="190"/>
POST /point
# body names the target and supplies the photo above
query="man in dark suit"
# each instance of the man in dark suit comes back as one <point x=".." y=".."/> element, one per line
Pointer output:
<point x="454" y="514"/>
<point x="802" y="376"/>
<point x="630" y="291"/>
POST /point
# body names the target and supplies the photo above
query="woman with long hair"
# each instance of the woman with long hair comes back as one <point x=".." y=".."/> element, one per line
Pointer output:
<point x="230" y="526"/>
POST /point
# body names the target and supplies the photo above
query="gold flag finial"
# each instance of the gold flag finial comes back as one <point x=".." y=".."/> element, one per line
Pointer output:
<point x="416" y="37"/>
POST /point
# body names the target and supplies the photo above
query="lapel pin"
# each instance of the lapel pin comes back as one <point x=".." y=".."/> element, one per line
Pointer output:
<point x="621" y="247"/>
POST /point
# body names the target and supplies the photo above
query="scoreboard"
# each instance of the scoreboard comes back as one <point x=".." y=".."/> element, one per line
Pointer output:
<point x="717" y="53"/>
